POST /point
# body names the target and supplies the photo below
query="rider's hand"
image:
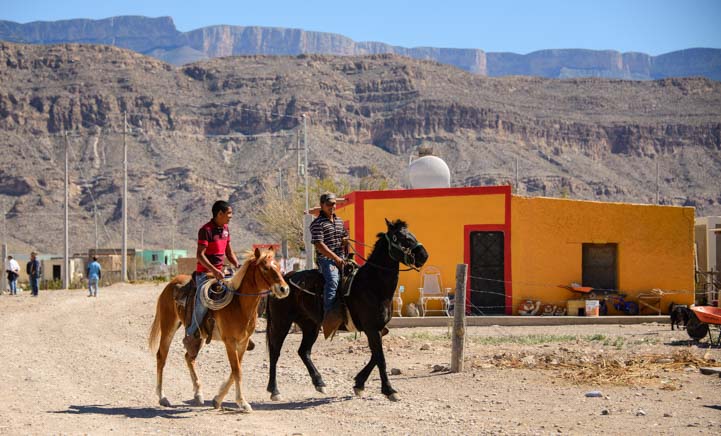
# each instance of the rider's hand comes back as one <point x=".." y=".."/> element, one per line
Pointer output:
<point x="339" y="263"/>
<point x="218" y="274"/>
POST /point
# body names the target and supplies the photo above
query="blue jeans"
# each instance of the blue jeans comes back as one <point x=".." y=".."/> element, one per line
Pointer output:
<point x="93" y="286"/>
<point x="13" y="287"/>
<point x="200" y="310"/>
<point x="35" y="286"/>
<point x="331" y="275"/>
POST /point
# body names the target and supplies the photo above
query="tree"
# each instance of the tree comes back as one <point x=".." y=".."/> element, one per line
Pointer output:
<point x="281" y="214"/>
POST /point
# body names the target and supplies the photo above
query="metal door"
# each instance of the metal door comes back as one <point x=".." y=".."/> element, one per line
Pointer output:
<point x="488" y="288"/>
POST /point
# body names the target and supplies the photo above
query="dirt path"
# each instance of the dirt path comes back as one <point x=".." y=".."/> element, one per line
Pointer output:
<point x="73" y="364"/>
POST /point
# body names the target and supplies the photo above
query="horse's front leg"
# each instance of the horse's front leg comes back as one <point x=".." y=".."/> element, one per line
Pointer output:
<point x="235" y="350"/>
<point x="375" y="342"/>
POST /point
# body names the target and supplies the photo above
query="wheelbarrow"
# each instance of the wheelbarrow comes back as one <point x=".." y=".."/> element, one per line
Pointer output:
<point x="702" y="321"/>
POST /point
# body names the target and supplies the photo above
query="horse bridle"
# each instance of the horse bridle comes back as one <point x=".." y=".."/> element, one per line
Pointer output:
<point x="409" y="258"/>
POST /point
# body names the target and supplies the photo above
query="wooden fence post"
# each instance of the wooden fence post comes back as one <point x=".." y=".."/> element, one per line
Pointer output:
<point x="459" y="318"/>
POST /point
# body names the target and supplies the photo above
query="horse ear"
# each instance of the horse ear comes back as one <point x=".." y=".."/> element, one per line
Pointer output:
<point x="257" y="253"/>
<point x="388" y="223"/>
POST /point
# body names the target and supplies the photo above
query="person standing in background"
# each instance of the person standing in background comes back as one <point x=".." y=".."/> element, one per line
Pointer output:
<point x="94" y="274"/>
<point x="12" y="268"/>
<point x="33" y="270"/>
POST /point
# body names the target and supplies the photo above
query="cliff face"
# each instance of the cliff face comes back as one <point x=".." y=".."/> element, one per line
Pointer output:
<point x="159" y="38"/>
<point x="218" y="128"/>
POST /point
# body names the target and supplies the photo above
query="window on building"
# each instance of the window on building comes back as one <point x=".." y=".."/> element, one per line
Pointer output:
<point x="155" y="257"/>
<point x="600" y="265"/>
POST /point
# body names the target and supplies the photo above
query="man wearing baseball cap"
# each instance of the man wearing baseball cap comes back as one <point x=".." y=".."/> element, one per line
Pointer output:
<point x="330" y="239"/>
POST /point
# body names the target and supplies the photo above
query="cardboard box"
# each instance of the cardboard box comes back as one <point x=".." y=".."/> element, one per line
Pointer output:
<point x="573" y="307"/>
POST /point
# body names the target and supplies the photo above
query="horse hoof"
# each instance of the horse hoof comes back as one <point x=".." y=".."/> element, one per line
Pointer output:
<point x="276" y="397"/>
<point x="164" y="402"/>
<point x="198" y="400"/>
<point x="320" y="389"/>
<point x="358" y="392"/>
<point x="216" y="403"/>
<point x="394" y="397"/>
<point x="245" y="408"/>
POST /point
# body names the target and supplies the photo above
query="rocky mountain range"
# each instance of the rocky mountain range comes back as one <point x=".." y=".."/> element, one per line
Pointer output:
<point x="225" y="127"/>
<point x="158" y="37"/>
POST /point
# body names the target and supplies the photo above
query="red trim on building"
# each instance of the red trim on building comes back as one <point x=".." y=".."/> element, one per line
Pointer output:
<point x="358" y="198"/>
<point x="507" y="272"/>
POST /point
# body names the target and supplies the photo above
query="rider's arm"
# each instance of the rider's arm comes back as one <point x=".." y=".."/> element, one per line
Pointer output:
<point x="230" y="254"/>
<point x="325" y="251"/>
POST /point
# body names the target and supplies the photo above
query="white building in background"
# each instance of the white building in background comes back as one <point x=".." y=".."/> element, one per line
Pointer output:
<point x="708" y="243"/>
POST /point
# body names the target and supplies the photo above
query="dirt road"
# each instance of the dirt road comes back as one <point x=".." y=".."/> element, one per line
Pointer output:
<point x="75" y="365"/>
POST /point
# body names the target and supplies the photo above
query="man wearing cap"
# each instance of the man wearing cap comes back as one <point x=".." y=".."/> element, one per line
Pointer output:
<point x="33" y="270"/>
<point x="330" y="239"/>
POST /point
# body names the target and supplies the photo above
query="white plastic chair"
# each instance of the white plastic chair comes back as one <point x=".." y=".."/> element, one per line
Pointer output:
<point x="398" y="301"/>
<point x="432" y="290"/>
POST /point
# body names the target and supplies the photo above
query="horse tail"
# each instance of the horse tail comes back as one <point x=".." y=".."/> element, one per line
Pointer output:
<point x="156" y="326"/>
<point x="154" y="337"/>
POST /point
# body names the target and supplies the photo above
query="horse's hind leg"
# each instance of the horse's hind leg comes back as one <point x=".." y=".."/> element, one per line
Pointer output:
<point x="166" y="338"/>
<point x="276" y="333"/>
<point x="190" y="355"/>
<point x="310" y="335"/>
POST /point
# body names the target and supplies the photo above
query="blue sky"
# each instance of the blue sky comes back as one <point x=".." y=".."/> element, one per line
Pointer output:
<point x="652" y="27"/>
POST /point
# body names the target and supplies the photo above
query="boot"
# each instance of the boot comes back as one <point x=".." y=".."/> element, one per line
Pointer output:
<point x="332" y="320"/>
<point x="192" y="343"/>
<point x="209" y="327"/>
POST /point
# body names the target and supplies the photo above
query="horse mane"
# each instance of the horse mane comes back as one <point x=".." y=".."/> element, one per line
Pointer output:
<point x="399" y="223"/>
<point x="248" y="257"/>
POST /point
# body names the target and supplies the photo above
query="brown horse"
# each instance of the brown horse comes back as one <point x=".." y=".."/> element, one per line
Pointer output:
<point x="234" y="324"/>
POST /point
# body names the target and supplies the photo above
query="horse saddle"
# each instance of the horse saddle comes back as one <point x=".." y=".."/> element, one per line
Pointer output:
<point x="184" y="296"/>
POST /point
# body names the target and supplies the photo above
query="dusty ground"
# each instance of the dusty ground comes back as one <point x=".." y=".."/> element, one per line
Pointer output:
<point x="78" y="365"/>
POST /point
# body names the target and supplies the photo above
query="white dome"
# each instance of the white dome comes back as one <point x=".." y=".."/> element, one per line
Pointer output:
<point x="429" y="172"/>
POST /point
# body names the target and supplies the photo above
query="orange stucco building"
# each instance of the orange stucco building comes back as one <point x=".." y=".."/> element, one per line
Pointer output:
<point x="520" y="248"/>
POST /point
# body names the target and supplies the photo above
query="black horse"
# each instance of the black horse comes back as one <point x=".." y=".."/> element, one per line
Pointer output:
<point x="369" y="304"/>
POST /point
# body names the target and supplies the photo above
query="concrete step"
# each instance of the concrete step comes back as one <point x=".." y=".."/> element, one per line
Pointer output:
<point x="442" y="321"/>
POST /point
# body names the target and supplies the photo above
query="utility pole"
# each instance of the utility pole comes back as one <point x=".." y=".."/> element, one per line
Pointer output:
<point x="95" y="214"/>
<point x="658" y="198"/>
<point x="3" y="278"/>
<point x="307" y="217"/>
<point x="124" y="249"/>
<point x="66" y="258"/>
<point x="297" y="154"/>
<point x="172" y="241"/>
<point x="305" y="161"/>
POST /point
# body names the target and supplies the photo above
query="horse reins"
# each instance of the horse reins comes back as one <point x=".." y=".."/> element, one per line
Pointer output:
<point x="407" y="252"/>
